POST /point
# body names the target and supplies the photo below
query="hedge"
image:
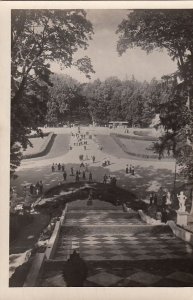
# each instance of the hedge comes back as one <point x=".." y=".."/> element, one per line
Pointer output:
<point x="45" y="148"/>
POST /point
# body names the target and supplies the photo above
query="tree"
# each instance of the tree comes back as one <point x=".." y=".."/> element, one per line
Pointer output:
<point x="39" y="37"/>
<point x="66" y="102"/>
<point x="128" y="100"/>
<point x="171" y="30"/>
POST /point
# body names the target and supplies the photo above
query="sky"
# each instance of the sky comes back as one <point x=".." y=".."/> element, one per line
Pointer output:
<point x="105" y="59"/>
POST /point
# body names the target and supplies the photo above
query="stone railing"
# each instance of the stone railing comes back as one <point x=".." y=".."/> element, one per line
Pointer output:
<point x="52" y="244"/>
<point x="39" y="259"/>
<point x="181" y="233"/>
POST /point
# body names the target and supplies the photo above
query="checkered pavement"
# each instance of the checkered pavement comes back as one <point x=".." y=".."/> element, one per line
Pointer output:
<point x="128" y="255"/>
<point x="141" y="246"/>
<point x="101" y="218"/>
<point x="155" y="273"/>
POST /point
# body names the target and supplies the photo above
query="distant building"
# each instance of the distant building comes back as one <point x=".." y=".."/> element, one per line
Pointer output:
<point x="114" y="124"/>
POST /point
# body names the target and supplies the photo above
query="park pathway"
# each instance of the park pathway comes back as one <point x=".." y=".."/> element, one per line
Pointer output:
<point x="119" y="249"/>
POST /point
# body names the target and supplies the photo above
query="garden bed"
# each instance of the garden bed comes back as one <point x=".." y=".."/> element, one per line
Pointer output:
<point x="133" y="150"/>
<point x="145" y="133"/>
<point x="41" y="146"/>
<point x="134" y="137"/>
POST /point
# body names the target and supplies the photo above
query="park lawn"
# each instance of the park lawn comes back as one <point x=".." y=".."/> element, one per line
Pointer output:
<point x="138" y="147"/>
<point x="37" y="143"/>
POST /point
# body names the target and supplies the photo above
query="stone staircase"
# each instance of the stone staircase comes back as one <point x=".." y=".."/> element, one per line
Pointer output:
<point x="118" y="248"/>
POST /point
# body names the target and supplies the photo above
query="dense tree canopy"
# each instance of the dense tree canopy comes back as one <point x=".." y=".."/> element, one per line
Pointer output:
<point x="171" y="30"/>
<point x="66" y="103"/>
<point x="102" y="101"/>
<point x="128" y="100"/>
<point x="39" y="37"/>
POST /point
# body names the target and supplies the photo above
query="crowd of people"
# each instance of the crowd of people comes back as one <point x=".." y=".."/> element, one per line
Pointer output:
<point x="80" y="139"/>
<point x="81" y="173"/>
<point x="130" y="169"/>
<point x="58" y="167"/>
<point x="110" y="180"/>
<point x="106" y="162"/>
<point x="34" y="189"/>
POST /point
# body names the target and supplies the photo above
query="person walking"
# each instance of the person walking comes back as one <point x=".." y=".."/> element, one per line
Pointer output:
<point x="83" y="175"/>
<point x="93" y="159"/>
<point x="90" y="177"/>
<point x="31" y="189"/>
<point x="164" y="198"/>
<point x="155" y="199"/>
<point x="151" y="199"/>
<point x="77" y="176"/>
<point x="72" y="171"/>
<point x="86" y="167"/>
<point x="105" y="179"/>
<point x="127" y="170"/>
<point x="63" y="167"/>
<point x="37" y="188"/>
<point x="53" y="167"/>
<point x="64" y="175"/>
<point x="133" y="170"/>
<point x="160" y="197"/>
<point x="130" y="169"/>
<point x="164" y="217"/>
<point x="82" y="165"/>
<point x="59" y="167"/>
<point x="109" y="179"/>
<point x="41" y="187"/>
<point x="114" y="181"/>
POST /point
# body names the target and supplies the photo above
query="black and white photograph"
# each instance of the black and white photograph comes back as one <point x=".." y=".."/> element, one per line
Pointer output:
<point x="101" y="147"/>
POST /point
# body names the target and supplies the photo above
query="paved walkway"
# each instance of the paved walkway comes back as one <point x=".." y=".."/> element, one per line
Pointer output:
<point x="149" y="175"/>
